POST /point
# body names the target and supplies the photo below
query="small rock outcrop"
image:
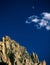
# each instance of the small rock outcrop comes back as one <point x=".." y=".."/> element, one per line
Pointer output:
<point x="12" y="53"/>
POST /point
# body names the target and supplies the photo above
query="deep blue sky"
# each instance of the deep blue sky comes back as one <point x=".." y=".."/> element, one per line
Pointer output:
<point x="13" y="14"/>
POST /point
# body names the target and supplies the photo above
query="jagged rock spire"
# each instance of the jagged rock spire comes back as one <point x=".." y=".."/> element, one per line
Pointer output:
<point x="14" y="54"/>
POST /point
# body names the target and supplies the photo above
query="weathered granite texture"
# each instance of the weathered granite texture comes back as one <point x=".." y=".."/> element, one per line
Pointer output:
<point x="14" y="54"/>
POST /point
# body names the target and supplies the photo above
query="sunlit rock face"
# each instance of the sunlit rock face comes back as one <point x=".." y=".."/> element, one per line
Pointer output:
<point x="11" y="53"/>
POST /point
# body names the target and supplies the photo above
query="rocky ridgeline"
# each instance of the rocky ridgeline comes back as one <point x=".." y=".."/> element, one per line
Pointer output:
<point x="12" y="53"/>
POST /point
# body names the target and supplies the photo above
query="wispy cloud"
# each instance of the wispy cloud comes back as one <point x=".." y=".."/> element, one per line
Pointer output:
<point x="27" y="22"/>
<point x="33" y="7"/>
<point x="42" y="22"/>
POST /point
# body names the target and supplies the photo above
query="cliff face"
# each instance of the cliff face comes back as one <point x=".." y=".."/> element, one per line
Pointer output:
<point x="14" y="54"/>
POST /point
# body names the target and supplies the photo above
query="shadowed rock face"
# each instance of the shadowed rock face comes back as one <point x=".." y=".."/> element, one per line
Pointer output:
<point x="2" y="63"/>
<point x="11" y="53"/>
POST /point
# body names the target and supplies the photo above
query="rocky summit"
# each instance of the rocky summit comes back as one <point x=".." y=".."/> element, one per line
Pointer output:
<point x="12" y="53"/>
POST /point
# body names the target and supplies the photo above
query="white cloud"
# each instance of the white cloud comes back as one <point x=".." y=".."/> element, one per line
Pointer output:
<point x="42" y="22"/>
<point x="35" y="20"/>
<point x="46" y="15"/>
<point x="48" y="27"/>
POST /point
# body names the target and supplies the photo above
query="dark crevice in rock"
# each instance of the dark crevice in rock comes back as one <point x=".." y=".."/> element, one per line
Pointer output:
<point x="2" y="63"/>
